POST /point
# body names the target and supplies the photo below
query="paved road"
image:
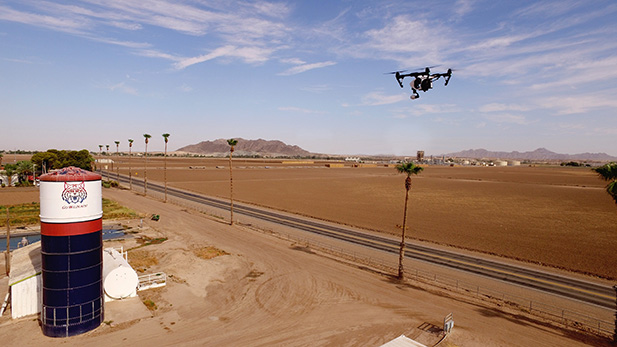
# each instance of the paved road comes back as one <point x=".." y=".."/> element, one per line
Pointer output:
<point x="591" y="293"/>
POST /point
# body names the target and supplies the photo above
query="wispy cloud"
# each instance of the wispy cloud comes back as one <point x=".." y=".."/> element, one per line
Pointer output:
<point x="508" y="118"/>
<point x="409" y="41"/>
<point x="463" y="7"/>
<point x="123" y="87"/>
<point x="496" y="107"/>
<point x="606" y="131"/>
<point x="185" y="88"/>
<point x="306" y="67"/>
<point x="578" y="104"/>
<point x="379" y="98"/>
<point x="70" y="25"/>
<point x="247" y="31"/>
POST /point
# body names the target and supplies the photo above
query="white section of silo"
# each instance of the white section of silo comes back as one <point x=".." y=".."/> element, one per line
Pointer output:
<point x="119" y="279"/>
<point x="69" y="202"/>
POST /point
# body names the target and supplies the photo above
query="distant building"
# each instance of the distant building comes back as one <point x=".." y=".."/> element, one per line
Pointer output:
<point x="420" y="156"/>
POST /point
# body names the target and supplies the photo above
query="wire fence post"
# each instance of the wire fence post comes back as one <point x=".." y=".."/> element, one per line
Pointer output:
<point x="615" y="330"/>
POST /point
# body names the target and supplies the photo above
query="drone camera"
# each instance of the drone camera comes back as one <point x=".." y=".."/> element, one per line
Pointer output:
<point x="417" y="83"/>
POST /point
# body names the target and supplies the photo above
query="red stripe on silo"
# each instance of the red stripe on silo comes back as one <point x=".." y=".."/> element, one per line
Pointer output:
<point x="69" y="229"/>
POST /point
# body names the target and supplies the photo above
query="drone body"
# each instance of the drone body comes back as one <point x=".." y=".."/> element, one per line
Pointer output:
<point x="423" y="80"/>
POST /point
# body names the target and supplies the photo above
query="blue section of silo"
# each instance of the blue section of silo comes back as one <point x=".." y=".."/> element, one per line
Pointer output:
<point x="72" y="269"/>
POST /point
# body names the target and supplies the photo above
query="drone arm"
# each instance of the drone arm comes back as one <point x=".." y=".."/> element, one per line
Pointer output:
<point x="447" y="79"/>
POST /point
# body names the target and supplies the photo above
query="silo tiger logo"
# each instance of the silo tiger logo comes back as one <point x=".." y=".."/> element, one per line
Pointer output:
<point x="74" y="193"/>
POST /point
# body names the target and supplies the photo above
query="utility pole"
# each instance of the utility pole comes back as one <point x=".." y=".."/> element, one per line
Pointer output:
<point x="8" y="244"/>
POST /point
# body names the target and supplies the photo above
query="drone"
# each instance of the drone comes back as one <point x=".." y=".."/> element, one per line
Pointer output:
<point x="423" y="80"/>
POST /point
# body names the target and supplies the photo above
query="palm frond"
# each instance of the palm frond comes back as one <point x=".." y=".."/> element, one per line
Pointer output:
<point x="409" y="168"/>
<point x="607" y="172"/>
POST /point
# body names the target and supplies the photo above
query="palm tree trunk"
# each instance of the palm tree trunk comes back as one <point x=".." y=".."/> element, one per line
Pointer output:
<point x="165" y="171"/>
<point x="146" y="170"/>
<point x="130" y="172"/>
<point x="231" y="192"/>
<point x="401" y="255"/>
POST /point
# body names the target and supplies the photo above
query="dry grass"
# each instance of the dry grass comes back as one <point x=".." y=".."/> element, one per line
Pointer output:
<point x="150" y="304"/>
<point x="141" y="260"/>
<point x="208" y="252"/>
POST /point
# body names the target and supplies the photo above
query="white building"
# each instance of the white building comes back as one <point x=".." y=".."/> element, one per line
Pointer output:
<point x="25" y="281"/>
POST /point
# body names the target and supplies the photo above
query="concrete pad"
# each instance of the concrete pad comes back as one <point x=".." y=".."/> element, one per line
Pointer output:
<point x="126" y="310"/>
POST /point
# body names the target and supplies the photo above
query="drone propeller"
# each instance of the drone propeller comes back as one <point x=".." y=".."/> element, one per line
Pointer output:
<point x="425" y="68"/>
<point x="395" y="72"/>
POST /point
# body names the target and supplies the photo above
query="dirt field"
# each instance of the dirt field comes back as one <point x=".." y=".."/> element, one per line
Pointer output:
<point x="270" y="292"/>
<point x="556" y="216"/>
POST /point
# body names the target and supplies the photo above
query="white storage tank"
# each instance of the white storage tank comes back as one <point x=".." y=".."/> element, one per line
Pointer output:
<point x="119" y="279"/>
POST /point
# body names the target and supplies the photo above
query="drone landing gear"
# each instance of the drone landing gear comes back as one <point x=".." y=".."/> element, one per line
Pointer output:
<point x="414" y="94"/>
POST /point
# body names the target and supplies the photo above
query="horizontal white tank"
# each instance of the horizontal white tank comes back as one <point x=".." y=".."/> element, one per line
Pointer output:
<point x="119" y="279"/>
<point x="501" y="163"/>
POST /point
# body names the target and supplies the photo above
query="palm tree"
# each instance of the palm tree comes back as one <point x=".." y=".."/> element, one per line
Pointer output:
<point x="117" y="167"/>
<point x="231" y="143"/>
<point x="130" y="173"/>
<point x="407" y="169"/>
<point x="165" y="136"/>
<point x="108" y="163"/>
<point x="100" y="154"/>
<point x="608" y="172"/>
<point x="146" y="137"/>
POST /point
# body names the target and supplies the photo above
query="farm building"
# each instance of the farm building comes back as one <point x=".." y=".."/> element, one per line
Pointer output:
<point x="25" y="281"/>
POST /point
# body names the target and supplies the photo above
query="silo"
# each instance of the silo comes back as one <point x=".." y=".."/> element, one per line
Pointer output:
<point x="71" y="251"/>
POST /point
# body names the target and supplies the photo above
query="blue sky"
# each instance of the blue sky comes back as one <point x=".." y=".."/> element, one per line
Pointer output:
<point x="528" y="74"/>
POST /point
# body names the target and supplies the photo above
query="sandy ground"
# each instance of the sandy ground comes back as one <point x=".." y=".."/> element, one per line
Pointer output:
<point x="267" y="292"/>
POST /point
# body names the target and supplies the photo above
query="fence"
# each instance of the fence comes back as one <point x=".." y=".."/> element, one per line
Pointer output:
<point x="560" y="315"/>
<point x="154" y="280"/>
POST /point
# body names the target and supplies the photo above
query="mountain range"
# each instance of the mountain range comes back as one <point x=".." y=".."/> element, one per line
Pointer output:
<point x="276" y="148"/>
<point x="538" y="154"/>
<point x="260" y="147"/>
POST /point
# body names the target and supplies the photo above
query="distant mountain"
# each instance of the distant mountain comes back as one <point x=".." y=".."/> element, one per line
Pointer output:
<point x="260" y="147"/>
<point x="538" y="154"/>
